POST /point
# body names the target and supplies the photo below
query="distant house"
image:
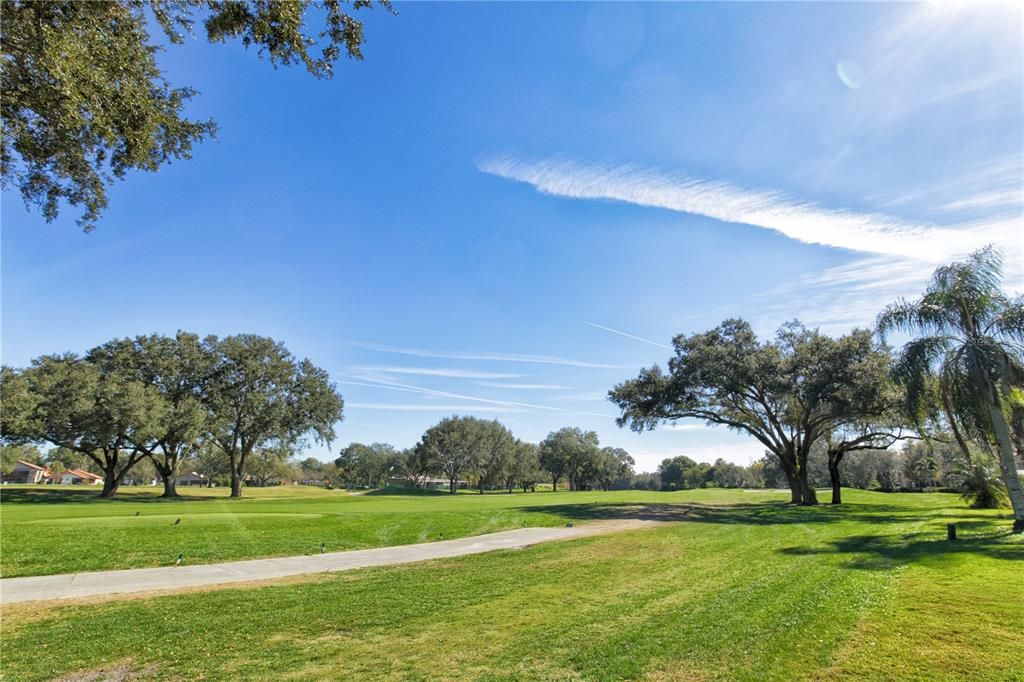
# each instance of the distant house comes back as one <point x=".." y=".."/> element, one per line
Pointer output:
<point x="191" y="478"/>
<point x="27" y="472"/>
<point x="78" y="477"/>
<point x="425" y="483"/>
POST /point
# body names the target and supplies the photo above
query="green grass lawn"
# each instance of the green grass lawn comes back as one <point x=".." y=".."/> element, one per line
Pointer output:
<point x="743" y="588"/>
<point x="56" y="529"/>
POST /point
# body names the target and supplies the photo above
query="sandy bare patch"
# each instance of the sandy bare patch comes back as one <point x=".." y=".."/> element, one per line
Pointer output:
<point x="122" y="672"/>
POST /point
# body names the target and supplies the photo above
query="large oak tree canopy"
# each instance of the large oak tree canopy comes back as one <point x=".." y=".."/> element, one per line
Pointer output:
<point x="85" y="101"/>
<point x="259" y="396"/>
<point x="88" y="407"/>
<point x="787" y="392"/>
<point x="162" y="398"/>
<point x="568" y="452"/>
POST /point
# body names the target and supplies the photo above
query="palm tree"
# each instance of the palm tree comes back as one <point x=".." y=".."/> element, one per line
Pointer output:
<point x="970" y="337"/>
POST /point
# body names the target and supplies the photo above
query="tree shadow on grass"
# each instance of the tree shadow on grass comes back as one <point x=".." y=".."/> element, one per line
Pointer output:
<point x="982" y="533"/>
<point x="405" y="492"/>
<point x="64" y="495"/>
<point x="883" y="552"/>
<point x="757" y="514"/>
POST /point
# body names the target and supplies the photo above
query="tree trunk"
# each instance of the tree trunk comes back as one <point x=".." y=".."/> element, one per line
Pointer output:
<point x="833" y="474"/>
<point x="111" y="482"/>
<point x="554" y="484"/>
<point x="166" y="472"/>
<point x="1008" y="464"/>
<point x="237" y="465"/>
<point x="170" y="486"/>
<point x="951" y="418"/>
<point x="236" y="478"/>
<point x="788" y="466"/>
<point x="1005" y="445"/>
<point x="451" y="485"/>
<point x="795" y="496"/>
<point x="1017" y="432"/>
<point x="808" y="496"/>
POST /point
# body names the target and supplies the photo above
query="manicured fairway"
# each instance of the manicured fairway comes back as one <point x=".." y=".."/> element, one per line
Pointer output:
<point x="750" y="589"/>
<point x="50" y="529"/>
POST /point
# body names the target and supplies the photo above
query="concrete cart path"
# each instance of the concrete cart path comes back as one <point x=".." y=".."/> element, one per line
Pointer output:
<point x="78" y="585"/>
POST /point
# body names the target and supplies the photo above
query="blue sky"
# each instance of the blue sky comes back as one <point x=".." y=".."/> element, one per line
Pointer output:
<point x="506" y="209"/>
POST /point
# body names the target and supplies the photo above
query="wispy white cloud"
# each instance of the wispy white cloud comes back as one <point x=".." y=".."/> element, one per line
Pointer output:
<point x="959" y="88"/>
<point x="421" y="407"/>
<point x="525" y="387"/>
<point x="582" y="396"/>
<point x="839" y="298"/>
<point x="988" y="189"/>
<point x="627" y="335"/>
<point x="800" y="220"/>
<point x="515" y="405"/>
<point x="435" y="372"/>
<point x="422" y="390"/>
<point x="898" y="255"/>
<point x="489" y="356"/>
<point x="997" y="199"/>
<point x="682" y="427"/>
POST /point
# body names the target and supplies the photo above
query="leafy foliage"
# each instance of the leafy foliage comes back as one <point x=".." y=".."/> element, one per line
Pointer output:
<point x="366" y="465"/>
<point x="85" y="100"/>
<point x="787" y="393"/>
<point x="258" y="397"/>
<point x="93" y="408"/>
<point x="10" y="454"/>
<point x="969" y="343"/>
<point x="167" y="399"/>
<point x="177" y="369"/>
<point x="453" y="447"/>
<point x="567" y="453"/>
<point x="983" y="488"/>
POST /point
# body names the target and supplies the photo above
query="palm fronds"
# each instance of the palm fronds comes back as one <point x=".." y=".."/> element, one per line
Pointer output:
<point x="983" y="489"/>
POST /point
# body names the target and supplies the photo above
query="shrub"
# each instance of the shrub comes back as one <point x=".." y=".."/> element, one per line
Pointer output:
<point x="983" y="488"/>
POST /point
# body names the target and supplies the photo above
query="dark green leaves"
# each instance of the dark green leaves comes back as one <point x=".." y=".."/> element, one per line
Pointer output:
<point x="85" y="100"/>
<point x="155" y="395"/>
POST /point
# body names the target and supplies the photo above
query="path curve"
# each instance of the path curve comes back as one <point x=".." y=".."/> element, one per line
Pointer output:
<point x="136" y="580"/>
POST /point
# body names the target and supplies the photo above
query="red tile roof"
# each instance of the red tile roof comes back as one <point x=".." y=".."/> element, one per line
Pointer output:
<point x="32" y="466"/>
<point x="83" y="474"/>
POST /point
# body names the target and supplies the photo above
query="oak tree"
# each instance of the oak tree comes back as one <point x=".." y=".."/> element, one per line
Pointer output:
<point x="259" y="396"/>
<point x="85" y="100"/>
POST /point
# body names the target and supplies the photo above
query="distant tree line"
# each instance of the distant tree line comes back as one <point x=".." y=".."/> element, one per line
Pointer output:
<point x="916" y="466"/>
<point x="242" y="400"/>
<point x="484" y="453"/>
